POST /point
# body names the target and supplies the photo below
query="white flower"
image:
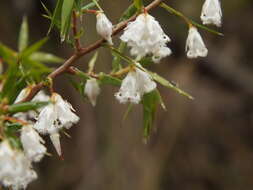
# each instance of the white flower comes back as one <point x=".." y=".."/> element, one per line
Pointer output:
<point x="55" y="116"/>
<point x="32" y="144"/>
<point x="211" y="12"/>
<point x="23" y="94"/>
<point x="15" y="169"/>
<point x="92" y="90"/>
<point x="104" y="27"/>
<point x="145" y="36"/>
<point x="195" y="46"/>
<point x="32" y="114"/>
<point x="134" y="86"/>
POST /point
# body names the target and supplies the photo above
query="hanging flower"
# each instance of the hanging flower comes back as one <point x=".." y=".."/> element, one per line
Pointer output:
<point x="55" y="116"/>
<point x="15" y="169"/>
<point x="211" y="12"/>
<point x="92" y="90"/>
<point x="145" y="36"/>
<point x="134" y="86"/>
<point x="195" y="46"/>
<point x="41" y="96"/>
<point x="32" y="144"/>
<point x="104" y="27"/>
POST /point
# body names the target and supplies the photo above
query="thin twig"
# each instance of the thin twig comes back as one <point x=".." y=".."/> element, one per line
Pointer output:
<point x="83" y="51"/>
<point x="75" y="31"/>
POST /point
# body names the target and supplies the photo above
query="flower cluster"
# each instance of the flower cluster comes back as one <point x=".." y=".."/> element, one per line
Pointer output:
<point x="15" y="165"/>
<point x="143" y="36"/>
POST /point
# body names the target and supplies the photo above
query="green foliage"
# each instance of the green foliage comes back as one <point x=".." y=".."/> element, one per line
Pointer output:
<point x="23" y="35"/>
<point x="92" y="62"/>
<point x="107" y="79"/>
<point x="25" y="66"/>
<point x="66" y="12"/>
<point x="23" y="107"/>
<point x="138" y="4"/>
<point x="150" y="102"/>
<point x="189" y="21"/>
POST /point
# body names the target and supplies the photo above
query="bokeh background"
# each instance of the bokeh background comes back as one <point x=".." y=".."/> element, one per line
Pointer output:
<point x="205" y="144"/>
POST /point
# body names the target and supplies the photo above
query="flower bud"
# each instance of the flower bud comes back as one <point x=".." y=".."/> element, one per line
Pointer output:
<point x="92" y="90"/>
<point x="211" y="12"/>
<point x="195" y="46"/>
<point x="104" y="27"/>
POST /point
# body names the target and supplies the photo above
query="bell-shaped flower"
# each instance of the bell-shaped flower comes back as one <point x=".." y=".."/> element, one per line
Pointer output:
<point x="41" y="96"/>
<point x="195" y="46"/>
<point x="15" y="168"/>
<point x="134" y="86"/>
<point x="55" y="116"/>
<point x="104" y="27"/>
<point x="145" y="36"/>
<point x="92" y="90"/>
<point x="32" y="144"/>
<point x="211" y="12"/>
<point x="23" y="94"/>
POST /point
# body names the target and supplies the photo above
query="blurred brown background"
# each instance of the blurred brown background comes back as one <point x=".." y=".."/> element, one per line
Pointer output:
<point x="205" y="144"/>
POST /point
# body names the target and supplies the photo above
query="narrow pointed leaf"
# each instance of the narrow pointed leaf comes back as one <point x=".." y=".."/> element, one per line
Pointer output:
<point x="92" y="62"/>
<point x="23" y="107"/>
<point x="107" y="79"/>
<point x="56" y="15"/>
<point x="33" y="48"/>
<point x="138" y="4"/>
<point x="7" y="54"/>
<point x="23" y="35"/>
<point x="67" y="7"/>
<point x="45" y="57"/>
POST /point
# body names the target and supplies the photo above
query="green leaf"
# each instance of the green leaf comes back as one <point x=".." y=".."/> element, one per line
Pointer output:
<point x="79" y="86"/>
<point x="15" y="142"/>
<point x="116" y="60"/>
<point x="98" y="6"/>
<point x="13" y="83"/>
<point x="13" y="128"/>
<point x="128" y="13"/>
<point x="67" y="7"/>
<point x="168" y="84"/>
<point x="23" y="107"/>
<point x="127" y="112"/>
<point x="138" y="4"/>
<point x="206" y="28"/>
<point x="107" y="79"/>
<point x="45" y="57"/>
<point x="7" y="54"/>
<point x="181" y="15"/>
<point x="56" y="15"/>
<point x="23" y="35"/>
<point x="33" y="48"/>
<point x="149" y="102"/>
<point x="92" y="62"/>
<point x="89" y="6"/>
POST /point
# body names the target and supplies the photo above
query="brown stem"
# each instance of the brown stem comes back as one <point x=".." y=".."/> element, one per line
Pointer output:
<point x="84" y="51"/>
<point x="75" y="31"/>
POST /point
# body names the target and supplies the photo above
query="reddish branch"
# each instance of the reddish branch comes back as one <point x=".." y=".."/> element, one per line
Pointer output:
<point x="84" y="51"/>
<point x="75" y="31"/>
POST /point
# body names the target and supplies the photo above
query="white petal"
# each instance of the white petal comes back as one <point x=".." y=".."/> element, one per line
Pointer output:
<point x="46" y="120"/>
<point x="92" y="90"/>
<point x="32" y="144"/>
<point x="23" y="94"/>
<point x="15" y="169"/>
<point x="65" y="112"/>
<point x="145" y="36"/>
<point x="211" y="12"/>
<point x="104" y="27"/>
<point x="195" y="46"/>
<point x="129" y="89"/>
<point x="55" y="138"/>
